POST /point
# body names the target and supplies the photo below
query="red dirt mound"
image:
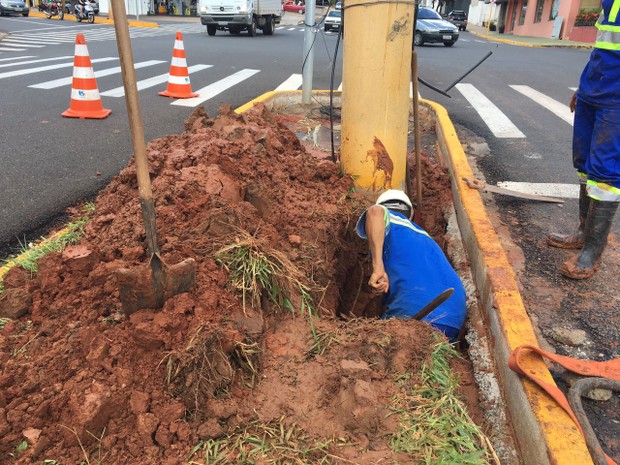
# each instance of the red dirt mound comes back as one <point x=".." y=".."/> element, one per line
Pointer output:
<point x="79" y="379"/>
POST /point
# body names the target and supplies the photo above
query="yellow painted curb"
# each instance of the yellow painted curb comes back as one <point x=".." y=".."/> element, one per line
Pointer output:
<point x="98" y="20"/>
<point x="39" y="245"/>
<point x="525" y="44"/>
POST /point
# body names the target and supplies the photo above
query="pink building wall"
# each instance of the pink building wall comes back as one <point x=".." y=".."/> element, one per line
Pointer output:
<point x="568" y="11"/>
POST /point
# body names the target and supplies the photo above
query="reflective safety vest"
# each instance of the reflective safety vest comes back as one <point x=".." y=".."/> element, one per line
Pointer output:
<point x="608" y="25"/>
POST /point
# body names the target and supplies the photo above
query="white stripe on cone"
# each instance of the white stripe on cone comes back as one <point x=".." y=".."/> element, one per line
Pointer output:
<point x="179" y="62"/>
<point x="78" y="94"/>
<point x="81" y="50"/>
<point x="179" y="80"/>
<point x="83" y="73"/>
<point x="178" y="44"/>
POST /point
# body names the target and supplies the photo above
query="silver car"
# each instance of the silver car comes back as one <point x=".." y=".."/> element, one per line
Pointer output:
<point x="431" y="27"/>
<point x="15" y="7"/>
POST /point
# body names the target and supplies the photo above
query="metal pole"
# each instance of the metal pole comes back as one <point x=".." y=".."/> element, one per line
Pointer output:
<point x="308" y="63"/>
<point x="137" y="14"/>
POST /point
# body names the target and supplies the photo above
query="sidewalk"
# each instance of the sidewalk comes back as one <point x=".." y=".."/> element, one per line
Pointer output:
<point x="525" y="41"/>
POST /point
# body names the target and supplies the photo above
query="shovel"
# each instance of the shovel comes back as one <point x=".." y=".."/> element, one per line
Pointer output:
<point x="140" y="288"/>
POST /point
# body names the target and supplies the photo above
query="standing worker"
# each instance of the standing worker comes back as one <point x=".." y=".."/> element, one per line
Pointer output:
<point x="408" y="265"/>
<point x="596" y="148"/>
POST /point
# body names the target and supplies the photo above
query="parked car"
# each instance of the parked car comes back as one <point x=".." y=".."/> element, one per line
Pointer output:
<point x="15" y="7"/>
<point x="301" y="9"/>
<point x="458" y="18"/>
<point x="333" y="20"/>
<point x="431" y="27"/>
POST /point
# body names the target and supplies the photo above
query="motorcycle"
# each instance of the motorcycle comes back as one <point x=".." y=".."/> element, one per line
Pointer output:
<point x="86" y="12"/>
<point x="52" y="9"/>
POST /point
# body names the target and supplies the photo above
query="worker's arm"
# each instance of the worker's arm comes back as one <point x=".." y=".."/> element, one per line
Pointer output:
<point x="375" y="231"/>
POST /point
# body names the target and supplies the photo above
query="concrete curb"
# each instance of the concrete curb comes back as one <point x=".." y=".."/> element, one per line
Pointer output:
<point x="527" y="44"/>
<point x="544" y="433"/>
<point x="100" y="20"/>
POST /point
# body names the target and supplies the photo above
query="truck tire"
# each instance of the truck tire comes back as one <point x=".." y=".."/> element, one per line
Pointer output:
<point x="211" y="30"/>
<point x="270" y="26"/>
<point x="252" y="28"/>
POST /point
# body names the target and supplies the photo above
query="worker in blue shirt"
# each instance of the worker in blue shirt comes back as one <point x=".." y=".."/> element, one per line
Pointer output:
<point x="408" y="266"/>
<point x="596" y="148"/>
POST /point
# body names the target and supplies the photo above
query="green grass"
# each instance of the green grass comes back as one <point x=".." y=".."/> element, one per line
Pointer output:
<point x="273" y="443"/>
<point x="30" y="253"/>
<point x="3" y="322"/>
<point x="255" y="271"/>
<point x="434" y="426"/>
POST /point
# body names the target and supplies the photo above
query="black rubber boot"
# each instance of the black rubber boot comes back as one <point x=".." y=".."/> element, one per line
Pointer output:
<point x="598" y="224"/>
<point x="576" y="239"/>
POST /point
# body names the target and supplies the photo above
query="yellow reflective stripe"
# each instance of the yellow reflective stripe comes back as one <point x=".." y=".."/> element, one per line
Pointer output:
<point x="603" y="192"/>
<point x="613" y="14"/>
<point x="582" y="177"/>
<point x="607" y="46"/>
<point x="607" y="27"/>
<point x="407" y="224"/>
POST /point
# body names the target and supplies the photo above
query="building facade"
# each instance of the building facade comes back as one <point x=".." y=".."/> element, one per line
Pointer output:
<point x="558" y="19"/>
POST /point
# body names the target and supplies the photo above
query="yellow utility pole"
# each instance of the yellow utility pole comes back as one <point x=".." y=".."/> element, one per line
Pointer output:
<point x="375" y="97"/>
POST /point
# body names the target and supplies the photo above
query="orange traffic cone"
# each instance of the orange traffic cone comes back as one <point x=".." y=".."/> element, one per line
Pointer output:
<point x="85" y="99"/>
<point x="178" y="80"/>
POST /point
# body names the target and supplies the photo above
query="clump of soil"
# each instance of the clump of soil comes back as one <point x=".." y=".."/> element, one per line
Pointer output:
<point x="81" y="381"/>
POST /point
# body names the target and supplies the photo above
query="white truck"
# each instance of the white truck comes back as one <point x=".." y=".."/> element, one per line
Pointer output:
<point x="240" y="15"/>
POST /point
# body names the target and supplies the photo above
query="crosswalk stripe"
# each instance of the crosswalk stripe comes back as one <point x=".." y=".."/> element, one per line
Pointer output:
<point x="11" y="43"/>
<point x="497" y="122"/>
<point x="574" y="89"/>
<point x="17" y="58"/>
<point x="293" y="82"/>
<point x="2" y="49"/>
<point x="23" y="72"/>
<point x="557" y="108"/>
<point x="291" y="29"/>
<point x="104" y="72"/>
<point x="567" y="191"/>
<point x="28" y="62"/>
<point x="150" y="82"/>
<point x="216" y="88"/>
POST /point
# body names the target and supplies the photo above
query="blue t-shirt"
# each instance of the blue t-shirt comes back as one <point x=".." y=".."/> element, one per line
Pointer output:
<point x="418" y="271"/>
<point x="600" y="80"/>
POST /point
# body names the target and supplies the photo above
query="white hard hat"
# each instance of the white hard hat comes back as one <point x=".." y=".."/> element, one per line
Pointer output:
<point x="394" y="195"/>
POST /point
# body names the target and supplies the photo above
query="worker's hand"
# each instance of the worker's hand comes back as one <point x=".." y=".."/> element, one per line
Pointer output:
<point x="573" y="102"/>
<point x="379" y="282"/>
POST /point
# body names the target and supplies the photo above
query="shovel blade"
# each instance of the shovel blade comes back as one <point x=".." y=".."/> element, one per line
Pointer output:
<point x="151" y="285"/>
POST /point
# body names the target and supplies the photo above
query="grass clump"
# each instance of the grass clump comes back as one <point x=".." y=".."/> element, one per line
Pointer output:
<point x="273" y="443"/>
<point x="257" y="271"/>
<point x="30" y="253"/>
<point x="434" y="426"/>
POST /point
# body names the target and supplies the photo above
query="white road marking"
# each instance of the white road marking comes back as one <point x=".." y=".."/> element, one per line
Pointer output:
<point x="151" y="82"/>
<point x="291" y="29"/>
<point x="2" y="49"/>
<point x="14" y="43"/>
<point x="17" y="58"/>
<point x="494" y="118"/>
<point x="555" y="107"/>
<point x="104" y="72"/>
<point x="23" y="72"/>
<point x="566" y="191"/>
<point x="574" y="89"/>
<point x="28" y="62"/>
<point x="292" y="83"/>
<point x="216" y="88"/>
